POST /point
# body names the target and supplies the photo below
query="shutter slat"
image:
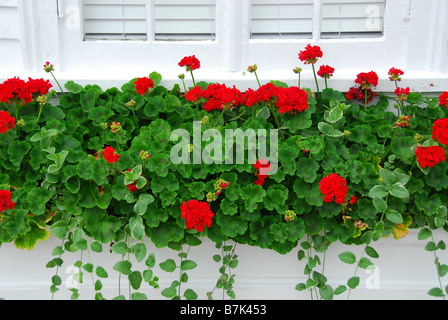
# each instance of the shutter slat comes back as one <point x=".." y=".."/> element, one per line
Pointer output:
<point x="114" y="19"/>
<point x="352" y="18"/>
<point x="281" y="18"/>
<point x="184" y="19"/>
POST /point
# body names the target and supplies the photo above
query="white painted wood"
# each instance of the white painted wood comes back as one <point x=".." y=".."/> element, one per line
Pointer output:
<point x="403" y="271"/>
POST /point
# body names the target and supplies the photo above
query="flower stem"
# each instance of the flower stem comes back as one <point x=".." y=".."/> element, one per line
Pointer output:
<point x="192" y="77"/>
<point x="365" y="99"/>
<point x="391" y="142"/>
<point x="315" y="78"/>
<point x="256" y="76"/>
<point x="60" y="88"/>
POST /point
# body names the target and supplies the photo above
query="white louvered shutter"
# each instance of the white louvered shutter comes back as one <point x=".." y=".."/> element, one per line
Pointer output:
<point x="282" y="18"/>
<point x="352" y="18"/>
<point x="184" y="19"/>
<point x="114" y="19"/>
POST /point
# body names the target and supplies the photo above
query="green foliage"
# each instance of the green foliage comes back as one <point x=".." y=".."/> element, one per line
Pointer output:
<point x="61" y="182"/>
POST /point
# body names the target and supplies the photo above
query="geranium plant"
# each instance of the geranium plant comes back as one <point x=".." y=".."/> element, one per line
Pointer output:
<point x="100" y="167"/>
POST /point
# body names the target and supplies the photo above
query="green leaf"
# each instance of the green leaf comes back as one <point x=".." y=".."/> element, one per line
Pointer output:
<point x="436" y="292"/>
<point x="17" y="151"/>
<point x="142" y="203"/>
<point x="424" y="234"/>
<point x="189" y="294"/>
<point x="394" y="216"/>
<point x="328" y="130"/>
<point x="73" y="87"/>
<point x="100" y="272"/>
<point x="252" y="195"/>
<point x="371" y="252"/>
<point x="380" y="204"/>
<point x="399" y="191"/>
<point x="347" y="257"/>
<point x="135" y="279"/>
<point x="137" y="228"/>
<point x="123" y="267"/>
<point x="168" y="265"/>
<point x="187" y="265"/>
<point x="387" y="176"/>
<point x="378" y="191"/>
<point x="326" y="292"/>
<point x="169" y="292"/>
<point x="307" y="168"/>
<point x="139" y="251"/>
<point x="353" y="282"/>
<point x="37" y="199"/>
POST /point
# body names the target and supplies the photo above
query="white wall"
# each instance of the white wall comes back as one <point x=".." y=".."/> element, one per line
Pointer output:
<point x="403" y="271"/>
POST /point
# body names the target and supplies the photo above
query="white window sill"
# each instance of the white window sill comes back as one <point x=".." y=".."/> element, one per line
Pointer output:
<point x="343" y="80"/>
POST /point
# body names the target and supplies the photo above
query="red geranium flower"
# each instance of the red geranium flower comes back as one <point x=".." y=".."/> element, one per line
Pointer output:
<point x="403" y="93"/>
<point x="6" y="121"/>
<point x="15" y="90"/>
<point x="191" y="63"/>
<point x="440" y="131"/>
<point x="394" y="74"/>
<point x="403" y="121"/>
<point x="5" y="200"/>
<point x="429" y="156"/>
<point x="325" y="72"/>
<point x="443" y="99"/>
<point x="311" y="54"/>
<point x="263" y="167"/>
<point x="197" y="215"/>
<point x="110" y="155"/>
<point x="333" y="187"/>
<point x="367" y="79"/>
<point x="359" y="94"/>
<point x="219" y="96"/>
<point x="38" y="87"/>
<point x="142" y="85"/>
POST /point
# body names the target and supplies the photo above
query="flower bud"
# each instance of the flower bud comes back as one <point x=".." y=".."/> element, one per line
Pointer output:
<point x="144" y="155"/>
<point x="252" y="69"/>
<point x="20" y="123"/>
<point x="290" y="215"/>
<point x="48" y="67"/>
<point x="115" y="126"/>
<point x="104" y="125"/>
<point x="297" y="70"/>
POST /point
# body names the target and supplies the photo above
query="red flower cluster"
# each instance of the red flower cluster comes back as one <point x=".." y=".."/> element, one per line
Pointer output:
<point x="263" y="167"/>
<point x="286" y="100"/>
<point x="5" y="200"/>
<point x="402" y="93"/>
<point x="429" y="156"/>
<point x="191" y="62"/>
<point x="197" y="215"/>
<point x="394" y="74"/>
<point x="311" y="54"/>
<point x="443" y="99"/>
<point x="325" y="72"/>
<point x="440" y="131"/>
<point x="16" y="90"/>
<point x="110" y="155"/>
<point x="217" y="96"/>
<point x="365" y="80"/>
<point x="333" y="187"/>
<point x="403" y="121"/>
<point x="6" y="121"/>
<point x="142" y="85"/>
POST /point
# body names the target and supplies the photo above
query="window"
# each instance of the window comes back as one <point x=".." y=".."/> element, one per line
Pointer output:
<point x="184" y="20"/>
<point x="128" y="19"/>
<point x="324" y="18"/>
<point x="114" y="19"/>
